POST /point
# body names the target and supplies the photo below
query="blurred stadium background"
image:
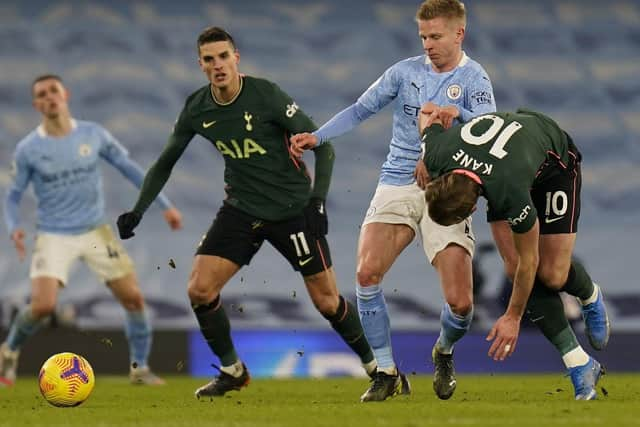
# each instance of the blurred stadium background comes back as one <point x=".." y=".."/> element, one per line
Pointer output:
<point x="130" y="65"/>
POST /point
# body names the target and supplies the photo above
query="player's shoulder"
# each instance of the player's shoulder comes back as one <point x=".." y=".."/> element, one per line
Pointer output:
<point x="258" y="81"/>
<point x="264" y="89"/>
<point x="260" y="84"/>
<point x="88" y="126"/>
<point x="197" y="97"/>
<point x="28" y="141"/>
<point x="92" y="130"/>
<point x="410" y="64"/>
<point x="472" y="65"/>
<point x="524" y="113"/>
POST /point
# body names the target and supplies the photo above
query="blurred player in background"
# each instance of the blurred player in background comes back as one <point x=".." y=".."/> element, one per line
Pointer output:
<point x="61" y="158"/>
<point x="528" y="169"/>
<point x="445" y="76"/>
<point x="269" y="197"/>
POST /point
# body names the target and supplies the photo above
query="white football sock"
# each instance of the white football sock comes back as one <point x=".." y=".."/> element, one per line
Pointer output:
<point x="576" y="357"/>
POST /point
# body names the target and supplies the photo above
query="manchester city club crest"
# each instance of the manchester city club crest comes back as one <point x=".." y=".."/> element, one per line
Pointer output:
<point x="454" y="91"/>
<point x="84" y="150"/>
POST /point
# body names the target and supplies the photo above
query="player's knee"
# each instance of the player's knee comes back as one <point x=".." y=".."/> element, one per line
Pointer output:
<point x="42" y="309"/>
<point x="368" y="275"/>
<point x="552" y="276"/>
<point x="461" y="306"/>
<point x="199" y="295"/>
<point x="134" y="301"/>
<point x="201" y="292"/>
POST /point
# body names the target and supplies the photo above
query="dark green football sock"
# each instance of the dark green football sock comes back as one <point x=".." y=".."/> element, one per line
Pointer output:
<point x="579" y="284"/>
<point x="346" y="323"/>
<point x="546" y="311"/>
<point x="215" y="327"/>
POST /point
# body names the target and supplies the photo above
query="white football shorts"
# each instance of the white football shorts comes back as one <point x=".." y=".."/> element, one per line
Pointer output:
<point x="98" y="248"/>
<point x="405" y="204"/>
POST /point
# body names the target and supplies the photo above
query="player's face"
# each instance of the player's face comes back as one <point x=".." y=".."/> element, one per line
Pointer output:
<point x="50" y="98"/>
<point x="442" y="42"/>
<point x="219" y="61"/>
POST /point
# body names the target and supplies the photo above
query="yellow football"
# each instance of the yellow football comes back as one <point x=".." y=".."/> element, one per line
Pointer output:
<point x="66" y="379"/>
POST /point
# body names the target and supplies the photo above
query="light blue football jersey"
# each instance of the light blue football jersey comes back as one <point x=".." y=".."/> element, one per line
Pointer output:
<point x="66" y="177"/>
<point x="411" y="83"/>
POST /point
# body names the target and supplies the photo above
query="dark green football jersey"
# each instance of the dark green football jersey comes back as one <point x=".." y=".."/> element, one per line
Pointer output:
<point x="251" y="132"/>
<point x="509" y="152"/>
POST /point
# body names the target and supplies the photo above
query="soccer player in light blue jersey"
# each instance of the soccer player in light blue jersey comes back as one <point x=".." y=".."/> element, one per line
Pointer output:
<point x="460" y="87"/>
<point x="60" y="158"/>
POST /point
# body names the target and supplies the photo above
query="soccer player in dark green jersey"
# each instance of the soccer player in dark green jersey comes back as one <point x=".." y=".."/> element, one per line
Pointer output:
<point x="528" y="169"/>
<point x="269" y="197"/>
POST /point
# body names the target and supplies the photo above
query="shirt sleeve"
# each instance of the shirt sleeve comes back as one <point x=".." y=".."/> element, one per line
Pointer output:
<point x="118" y="156"/>
<point x="160" y="171"/>
<point x="515" y="206"/>
<point x="382" y="91"/>
<point x="342" y="122"/>
<point x="325" y="158"/>
<point x="290" y="117"/>
<point x="21" y="173"/>
<point x="287" y="113"/>
<point x="376" y="97"/>
<point x="479" y="98"/>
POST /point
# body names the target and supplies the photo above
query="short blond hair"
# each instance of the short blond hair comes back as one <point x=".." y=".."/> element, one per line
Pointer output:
<point x="448" y="9"/>
<point x="451" y="198"/>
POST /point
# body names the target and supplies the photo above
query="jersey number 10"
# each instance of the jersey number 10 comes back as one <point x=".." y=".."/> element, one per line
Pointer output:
<point x="496" y="129"/>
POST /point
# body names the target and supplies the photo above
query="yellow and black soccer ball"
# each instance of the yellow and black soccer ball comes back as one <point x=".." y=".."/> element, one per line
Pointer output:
<point x="66" y="379"/>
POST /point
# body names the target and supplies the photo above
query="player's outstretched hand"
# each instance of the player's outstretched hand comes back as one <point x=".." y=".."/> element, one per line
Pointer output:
<point x="126" y="223"/>
<point x="316" y="216"/>
<point x="18" y="241"/>
<point x="301" y="142"/>
<point x="429" y="114"/>
<point x="173" y="218"/>
<point x="421" y="175"/>
<point x="504" y="335"/>
<point x="448" y="114"/>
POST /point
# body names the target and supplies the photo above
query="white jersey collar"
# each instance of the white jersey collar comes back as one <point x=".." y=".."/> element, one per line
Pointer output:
<point x="43" y="133"/>
<point x="462" y="63"/>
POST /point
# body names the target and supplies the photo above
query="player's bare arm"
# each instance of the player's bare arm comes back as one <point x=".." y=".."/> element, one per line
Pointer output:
<point x="18" y="241"/>
<point x="421" y="175"/>
<point x="301" y="142"/>
<point x="506" y="329"/>
<point x="173" y="217"/>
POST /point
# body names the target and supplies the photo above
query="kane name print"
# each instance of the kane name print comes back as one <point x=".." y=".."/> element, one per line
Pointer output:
<point x="466" y="161"/>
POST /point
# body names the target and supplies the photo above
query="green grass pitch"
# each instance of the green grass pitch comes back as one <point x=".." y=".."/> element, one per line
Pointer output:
<point x="500" y="400"/>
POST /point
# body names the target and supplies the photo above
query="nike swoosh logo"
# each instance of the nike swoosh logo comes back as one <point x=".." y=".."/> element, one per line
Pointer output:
<point x="547" y="220"/>
<point x="207" y="125"/>
<point x="304" y="261"/>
